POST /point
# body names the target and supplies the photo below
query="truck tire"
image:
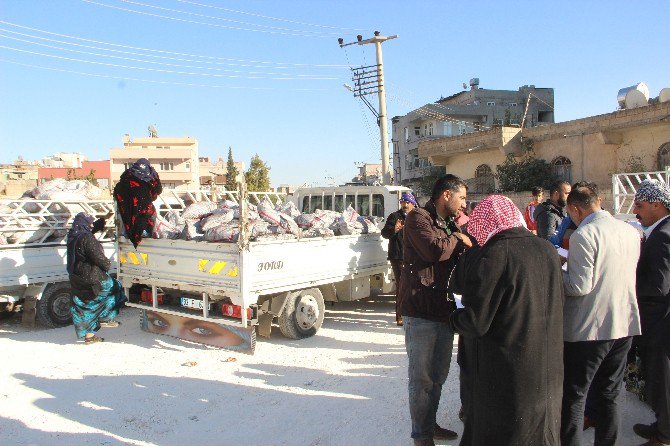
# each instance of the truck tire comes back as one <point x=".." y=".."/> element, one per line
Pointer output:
<point x="303" y="314"/>
<point x="53" y="309"/>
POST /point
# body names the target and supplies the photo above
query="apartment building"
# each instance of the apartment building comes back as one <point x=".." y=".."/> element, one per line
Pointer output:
<point x="465" y="112"/>
<point x="175" y="159"/>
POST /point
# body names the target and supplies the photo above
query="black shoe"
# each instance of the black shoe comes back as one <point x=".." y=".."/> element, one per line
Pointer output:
<point x="645" y="430"/>
<point x="424" y="442"/>
<point x="440" y="433"/>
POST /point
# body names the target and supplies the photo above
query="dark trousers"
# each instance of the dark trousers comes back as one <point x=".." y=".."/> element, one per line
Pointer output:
<point x="396" y="265"/>
<point x="654" y="345"/>
<point x="600" y="365"/>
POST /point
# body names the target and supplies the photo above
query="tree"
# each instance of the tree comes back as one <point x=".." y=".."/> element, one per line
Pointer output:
<point x="517" y="175"/>
<point x="231" y="171"/>
<point x="258" y="175"/>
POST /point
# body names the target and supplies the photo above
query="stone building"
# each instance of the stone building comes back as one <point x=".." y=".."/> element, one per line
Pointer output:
<point x="175" y="159"/>
<point x="462" y="113"/>
<point x="591" y="149"/>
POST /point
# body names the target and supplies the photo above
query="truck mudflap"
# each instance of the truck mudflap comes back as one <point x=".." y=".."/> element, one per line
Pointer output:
<point x="225" y="336"/>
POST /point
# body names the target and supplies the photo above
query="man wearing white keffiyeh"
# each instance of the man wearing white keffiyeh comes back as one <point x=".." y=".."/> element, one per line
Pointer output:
<point x="652" y="208"/>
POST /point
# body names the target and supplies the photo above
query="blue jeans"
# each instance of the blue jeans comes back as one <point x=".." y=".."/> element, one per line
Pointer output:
<point x="429" y="345"/>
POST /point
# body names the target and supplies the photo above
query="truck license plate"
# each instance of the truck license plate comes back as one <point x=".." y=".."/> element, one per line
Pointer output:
<point x="195" y="304"/>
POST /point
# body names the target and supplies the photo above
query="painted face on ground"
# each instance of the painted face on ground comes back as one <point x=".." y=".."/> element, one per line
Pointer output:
<point x="195" y="330"/>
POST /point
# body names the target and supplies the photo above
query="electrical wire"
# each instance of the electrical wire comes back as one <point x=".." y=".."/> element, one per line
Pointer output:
<point x="185" y="84"/>
<point x="286" y="64"/>
<point x="307" y="76"/>
<point x="221" y="18"/>
<point x="186" y="73"/>
<point x="265" y="16"/>
<point x="195" y="22"/>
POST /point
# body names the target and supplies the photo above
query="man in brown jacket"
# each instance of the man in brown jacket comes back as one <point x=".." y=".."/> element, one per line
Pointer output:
<point x="431" y="245"/>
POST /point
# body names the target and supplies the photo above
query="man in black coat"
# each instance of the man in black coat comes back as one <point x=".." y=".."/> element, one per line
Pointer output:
<point x="551" y="213"/>
<point x="393" y="232"/>
<point x="652" y="208"/>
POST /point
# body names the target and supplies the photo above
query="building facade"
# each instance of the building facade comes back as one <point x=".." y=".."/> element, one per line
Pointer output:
<point x="175" y="159"/>
<point x="100" y="170"/>
<point x="465" y="112"/>
<point x="587" y="149"/>
<point x="72" y="160"/>
<point x="215" y="172"/>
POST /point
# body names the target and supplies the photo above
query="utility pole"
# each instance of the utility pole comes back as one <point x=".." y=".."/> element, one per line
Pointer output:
<point x="370" y="80"/>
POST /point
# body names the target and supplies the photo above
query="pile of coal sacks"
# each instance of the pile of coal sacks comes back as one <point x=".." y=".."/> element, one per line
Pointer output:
<point x="220" y="222"/>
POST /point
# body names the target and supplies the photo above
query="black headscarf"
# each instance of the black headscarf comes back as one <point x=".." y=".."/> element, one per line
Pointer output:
<point x="81" y="225"/>
<point x="142" y="170"/>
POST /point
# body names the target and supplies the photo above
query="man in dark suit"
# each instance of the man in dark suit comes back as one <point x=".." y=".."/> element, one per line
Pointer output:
<point x="652" y="208"/>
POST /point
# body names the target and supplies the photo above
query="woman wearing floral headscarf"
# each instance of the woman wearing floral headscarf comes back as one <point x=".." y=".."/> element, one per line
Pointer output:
<point x="513" y="298"/>
<point x="135" y="192"/>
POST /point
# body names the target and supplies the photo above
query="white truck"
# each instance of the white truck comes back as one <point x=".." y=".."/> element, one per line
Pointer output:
<point x="33" y="275"/>
<point x="223" y="293"/>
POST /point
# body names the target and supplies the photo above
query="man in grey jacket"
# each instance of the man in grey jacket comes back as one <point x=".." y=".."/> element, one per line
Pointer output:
<point x="600" y="316"/>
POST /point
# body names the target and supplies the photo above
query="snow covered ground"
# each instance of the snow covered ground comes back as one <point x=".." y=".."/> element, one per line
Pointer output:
<point x="345" y="386"/>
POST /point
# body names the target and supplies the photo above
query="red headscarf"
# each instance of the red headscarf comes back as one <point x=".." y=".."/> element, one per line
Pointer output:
<point x="492" y="215"/>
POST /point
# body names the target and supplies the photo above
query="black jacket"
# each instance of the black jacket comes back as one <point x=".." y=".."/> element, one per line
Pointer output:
<point x="430" y="251"/>
<point x="90" y="268"/>
<point x="394" y="238"/>
<point x="653" y="277"/>
<point x="513" y="323"/>
<point x="548" y="217"/>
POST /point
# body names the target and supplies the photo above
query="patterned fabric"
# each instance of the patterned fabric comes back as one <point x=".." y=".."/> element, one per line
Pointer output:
<point x="80" y="227"/>
<point x="408" y="198"/>
<point x="87" y="316"/>
<point x="142" y="170"/>
<point x="653" y="191"/>
<point x="135" y="204"/>
<point x="492" y="215"/>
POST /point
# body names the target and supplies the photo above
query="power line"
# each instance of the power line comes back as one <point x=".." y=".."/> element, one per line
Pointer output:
<point x="286" y="64"/>
<point x="265" y="16"/>
<point x="70" y="59"/>
<point x="221" y="18"/>
<point x="195" y="22"/>
<point x="306" y="76"/>
<point x="184" y="84"/>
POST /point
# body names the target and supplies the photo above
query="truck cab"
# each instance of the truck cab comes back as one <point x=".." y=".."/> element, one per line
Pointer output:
<point x="374" y="201"/>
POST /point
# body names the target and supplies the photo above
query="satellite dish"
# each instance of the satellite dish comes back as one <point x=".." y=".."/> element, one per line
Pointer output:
<point x="153" y="133"/>
<point x="634" y="99"/>
<point x="641" y="87"/>
<point x="664" y="95"/>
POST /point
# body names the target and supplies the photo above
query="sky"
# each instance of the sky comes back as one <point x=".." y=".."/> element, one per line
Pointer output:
<point x="266" y="77"/>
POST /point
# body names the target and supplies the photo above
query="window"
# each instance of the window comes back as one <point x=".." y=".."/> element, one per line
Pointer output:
<point x="378" y="205"/>
<point x="188" y="166"/>
<point x="417" y="131"/>
<point x="430" y="129"/>
<point x="491" y="103"/>
<point x="363" y="204"/>
<point x="339" y="203"/>
<point x="328" y="202"/>
<point x="561" y="167"/>
<point x="316" y="203"/>
<point x="484" y="181"/>
<point x="348" y="201"/>
<point x="166" y="166"/>
<point x="512" y="104"/>
<point x="664" y="156"/>
<point x="127" y="165"/>
<point x="305" y="205"/>
<point x="406" y="134"/>
<point x="168" y="185"/>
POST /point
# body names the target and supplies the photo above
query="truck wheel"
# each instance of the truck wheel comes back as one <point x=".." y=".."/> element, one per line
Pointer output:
<point x="53" y="309"/>
<point x="303" y="314"/>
